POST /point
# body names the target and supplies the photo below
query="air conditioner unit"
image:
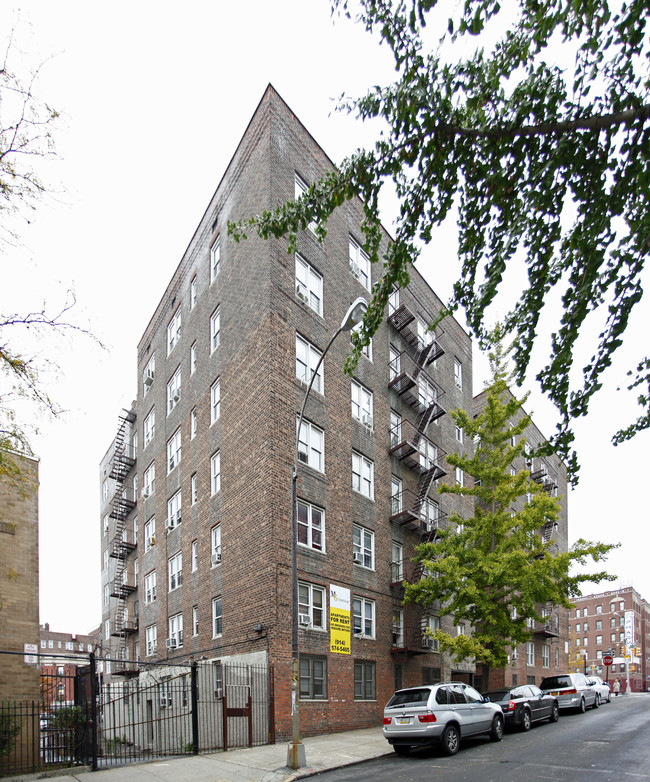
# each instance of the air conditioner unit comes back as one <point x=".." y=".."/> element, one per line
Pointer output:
<point x="176" y="397"/>
<point x="169" y="523"/>
<point x="366" y="420"/>
<point x="303" y="620"/>
<point x="515" y="655"/>
<point x="152" y="541"/>
<point x="216" y="558"/>
<point x="170" y="643"/>
<point x="148" y="379"/>
<point x="355" y="269"/>
<point x="356" y="558"/>
<point x="145" y="492"/>
<point x="427" y="642"/>
<point x="301" y="293"/>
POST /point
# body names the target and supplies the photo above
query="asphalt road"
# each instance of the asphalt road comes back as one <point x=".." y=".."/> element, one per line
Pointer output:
<point x="609" y="743"/>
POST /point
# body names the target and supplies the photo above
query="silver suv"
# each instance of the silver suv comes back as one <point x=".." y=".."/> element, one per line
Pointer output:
<point x="572" y="691"/>
<point x="441" y="713"/>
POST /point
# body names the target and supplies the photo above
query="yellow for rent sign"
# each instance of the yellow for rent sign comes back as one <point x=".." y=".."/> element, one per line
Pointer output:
<point x="340" y="624"/>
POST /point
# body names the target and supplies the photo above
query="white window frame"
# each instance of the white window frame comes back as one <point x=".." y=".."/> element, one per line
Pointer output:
<point x="307" y="358"/>
<point x="546" y="656"/>
<point x="175" y="571"/>
<point x="174" y="330"/>
<point x="366" y="350"/>
<point x="362" y="403"/>
<point x="151" y="638"/>
<point x="174" y="505"/>
<point x="398" y="627"/>
<point x="149" y="427"/>
<point x="150" y="533"/>
<point x="174" y="450"/>
<point x="193" y="292"/>
<point x="195" y="620"/>
<point x="215" y="259"/>
<point x="174" y="390"/>
<point x="217" y="617"/>
<point x="363" y="617"/>
<point x="460" y="477"/>
<point x="363" y="475"/>
<point x="458" y="374"/>
<point x="300" y="189"/>
<point x="359" y="263"/>
<point x="431" y="623"/>
<point x="312" y="602"/>
<point x="193" y="490"/>
<point x="395" y="494"/>
<point x="311" y="526"/>
<point x="215" y="545"/>
<point x="149" y="480"/>
<point x="215" y="401"/>
<point x="215" y="329"/>
<point x="192" y="358"/>
<point x="309" y="285"/>
<point x="215" y="473"/>
<point x="530" y="653"/>
<point x="194" y="423"/>
<point x="311" y="445"/>
<point x="149" y="372"/>
<point x="395" y="428"/>
<point x="397" y="562"/>
<point x="394" y="362"/>
<point x="363" y="547"/>
<point x="194" y="556"/>
<point x="176" y="630"/>
<point x="150" y="587"/>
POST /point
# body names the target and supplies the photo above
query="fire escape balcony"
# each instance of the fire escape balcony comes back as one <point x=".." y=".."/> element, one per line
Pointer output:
<point x="121" y="504"/>
<point x="122" y="461"/>
<point x="542" y="473"/>
<point x="404" y="570"/>
<point x="123" y="544"/>
<point x="417" y="514"/>
<point x="404" y="378"/>
<point x="409" y="636"/>
<point x="123" y="584"/>
<point x="413" y="328"/>
<point x="125" y="627"/>
<point x="416" y="450"/>
<point x="549" y="627"/>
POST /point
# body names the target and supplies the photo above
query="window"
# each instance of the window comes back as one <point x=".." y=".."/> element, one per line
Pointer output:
<point x="192" y="358"/>
<point x="395" y="428"/>
<point x="361" y="404"/>
<point x="530" y="653"/>
<point x="359" y="264"/>
<point x="612" y="637"/>
<point x="193" y="423"/>
<point x="599" y="653"/>
<point x="215" y="472"/>
<point x="393" y="301"/>
<point x="395" y="495"/>
<point x="427" y="393"/>
<point x="366" y="350"/>
<point x="393" y="363"/>
<point x="578" y="627"/>
<point x="215" y="401"/>
<point x="364" y="681"/>
<point x="577" y="613"/>
<point x="175" y="631"/>
<point x="363" y="547"/>
<point x="311" y="445"/>
<point x="429" y="514"/>
<point x="599" y="609"/>
<point x="429" y="626"/>
<point x="311" y="526"/>
<point x="599" y="639"/>
<point x="397" y="563"/>
<point x="459" y="434"/>
<point x="300" y="190"/>
<point x="313" y="677"/>
<point x="425" y="336"/>
<point x="151" y="638"/>
<point x="363" y="617"/>
<point x="105" y="523"/>
<point x="621" y="605"/>
<point x="148" y="374"/>
<point x="215" y="259"/>
<point x="311" y="605"/>
<point x="174" y="450"/>
<point x="174" y="390"/>
<point x="105" y="489"/>
<point x="174" y="511"/>
<point x="150" y="533"/>
<point x="546" y="656"/>
<point x="175" y="570"/>
<point x="215" y="545"/>
<point x="309" y="285"/>
<point x="195" y="556"/>
<point x="398" y="628"/>
<point x="460" y="477"/>
<point x="585" y="641"/>
<point x="106" y="594"/>
<point x="428" y="454"/>
<point x="363" y="475"/>
<point x="105" y="559"/>
<point x="193" y="489"/>
<point x="174" y="330"/>
<point x="307" y="358"/>
<point x="193" y="293"/>
<point x="149" y="427"/>
<point x="217" y="617"/>
<point x="195" y="620"/>
<point x="599" y="625"/>
<point x="215" y="330"/>
<point x="458" y="374"/>
<point x="460" y="630"/>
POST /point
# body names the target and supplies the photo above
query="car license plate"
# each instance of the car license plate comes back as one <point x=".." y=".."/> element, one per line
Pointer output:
<point x="555" y="693"/>
<point x="403" y="721"/>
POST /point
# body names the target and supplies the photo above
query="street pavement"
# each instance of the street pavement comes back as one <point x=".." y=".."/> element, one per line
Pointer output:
<point x="259" y="764"/>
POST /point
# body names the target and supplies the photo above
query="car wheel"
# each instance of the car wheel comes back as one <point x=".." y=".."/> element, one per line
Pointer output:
<point x="583" y="706"/>
<point x="555" y="713"/>
<point x="402" y="749"/>
<point x="496" y="731"/>
<point x="525" y="720"/>
<point x="450" y="740"/>
<point x="597" y="701"/>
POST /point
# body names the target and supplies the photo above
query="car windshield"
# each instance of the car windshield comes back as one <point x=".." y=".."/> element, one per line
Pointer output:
<point x="555" y="682"/>
<point x="498" y="695"/>
<point x="412" y="697"/>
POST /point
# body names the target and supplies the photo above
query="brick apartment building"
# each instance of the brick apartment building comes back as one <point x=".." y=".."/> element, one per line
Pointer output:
<point x="599" y="625"/>
<point x="61" y="655"/>
<point x="196" y="491"/>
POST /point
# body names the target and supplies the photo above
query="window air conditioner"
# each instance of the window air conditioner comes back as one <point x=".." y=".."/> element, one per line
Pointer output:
<point x="176" y="397"/>
<point x="301" y="292"/>
<point x="171" y="643"/>
<point x="216" y="558"/>
<point x="303" y="620"/>
<point x="169" y="523"/>
<point x="427" y="642"/>
<point x="355" y="269"/>
<point x="152" y="541"/>
<point x="356" y="558"/>
<point x="148" y="379"/>
<point x="146" y="492"/>
<point x="366" y="420"/>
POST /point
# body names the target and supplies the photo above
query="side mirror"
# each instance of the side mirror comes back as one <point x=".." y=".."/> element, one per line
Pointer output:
<point x="486" y="699"/>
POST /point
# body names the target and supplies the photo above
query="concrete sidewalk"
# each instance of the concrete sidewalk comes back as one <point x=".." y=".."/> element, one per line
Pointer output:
<point x="259" y="764"/>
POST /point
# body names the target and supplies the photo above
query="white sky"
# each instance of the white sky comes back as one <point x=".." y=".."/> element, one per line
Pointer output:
<point x="155" y="97"/>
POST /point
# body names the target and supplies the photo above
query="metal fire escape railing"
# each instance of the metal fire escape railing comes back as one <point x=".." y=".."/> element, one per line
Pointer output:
<point x="410" y="380"/>
<point x="121" y="463"/>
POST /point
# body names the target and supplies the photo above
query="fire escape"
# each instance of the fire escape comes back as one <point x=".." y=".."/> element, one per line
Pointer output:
<point x="123" y="542"/>
<point x="414" y="446"/>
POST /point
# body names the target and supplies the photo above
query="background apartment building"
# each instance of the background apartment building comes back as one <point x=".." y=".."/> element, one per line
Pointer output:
<point x="616" y="623"/>
<point x="196" y="488"/>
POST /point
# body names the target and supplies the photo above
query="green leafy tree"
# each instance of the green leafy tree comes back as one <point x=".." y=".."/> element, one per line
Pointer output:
<point x="10" y="727"/>
<point x="495" y="570"/>
<point x="543" y="167"/>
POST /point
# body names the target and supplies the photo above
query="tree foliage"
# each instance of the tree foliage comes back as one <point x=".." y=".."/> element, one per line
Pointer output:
<point x="495" y="570"/>
<point x="544" y="166"/>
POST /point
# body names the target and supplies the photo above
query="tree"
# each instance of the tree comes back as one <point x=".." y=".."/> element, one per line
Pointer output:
<point x="495" y="570"/>
<point x="545" y="168"/>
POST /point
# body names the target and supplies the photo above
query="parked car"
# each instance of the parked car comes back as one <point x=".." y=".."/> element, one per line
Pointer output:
<point x="442" y="713"/>
<point x="572" y="691"/>
<point x="601" y="687"/>
<point x="524" y="705"/>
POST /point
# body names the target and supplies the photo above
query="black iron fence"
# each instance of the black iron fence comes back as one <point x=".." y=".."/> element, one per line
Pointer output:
<point x="165" y="710"/>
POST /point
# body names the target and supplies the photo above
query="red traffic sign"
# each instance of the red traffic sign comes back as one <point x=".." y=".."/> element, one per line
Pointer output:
<point x="608" y="659"/>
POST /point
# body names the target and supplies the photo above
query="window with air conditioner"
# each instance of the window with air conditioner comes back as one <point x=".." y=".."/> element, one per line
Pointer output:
<point x="174" y="331"/>
<point x="307" y="358"/>
<point x="149" y="481"/>
<point x="150" y="533"/>
<point x="363" y="547"/>
<point x="311" y="525"/>
<point x="309" y="285"/>
<point x="174" y="390"/>
<point x="149" y="374"/>
<point x="151" y="639"/>
<point x="359" y="263"/>
<point x="430" y="624"/>
<point x="363" y="617"/>
<point x="174" y="511"/>
<point x="175" y="634"/>
<point x="361" y="404"/>
<point x="311" y="605"/>
<point x="215" y="545"/>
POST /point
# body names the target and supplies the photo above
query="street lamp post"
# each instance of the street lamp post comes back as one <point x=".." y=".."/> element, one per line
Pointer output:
<point x="296" y="750"/>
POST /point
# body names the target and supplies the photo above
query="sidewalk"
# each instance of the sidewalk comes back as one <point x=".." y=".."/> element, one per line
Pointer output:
<point x="259" y="764"/>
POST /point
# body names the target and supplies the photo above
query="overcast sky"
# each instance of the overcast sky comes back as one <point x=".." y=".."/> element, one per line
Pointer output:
<point x="155" y="97"/>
